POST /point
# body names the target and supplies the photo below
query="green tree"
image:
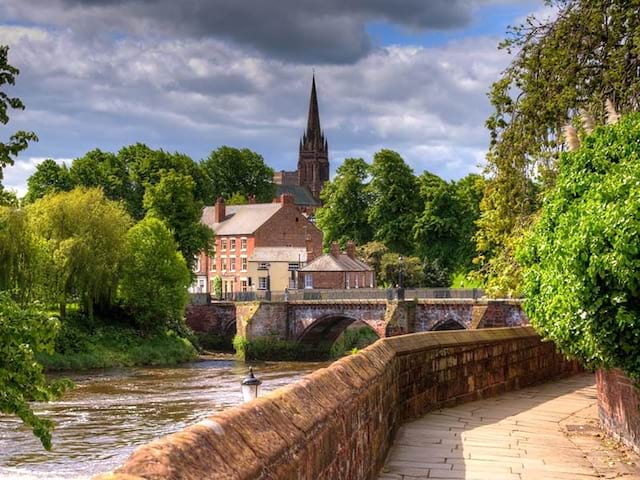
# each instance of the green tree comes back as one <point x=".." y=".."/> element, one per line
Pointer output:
<point x="172" y="200"/>
<point x="588" y="52"/>
<point x="49" y="177"/>
<point x="19" y="141"/>
<point x="237" y="199"/>
<point x="581" y="261"/>
<point x="372" y="254"/>
<point x="412" y="271"/>
<point x="231" y="170"/>
<point x="395" y="201"/>
<point x="24" y="332"/>
<point x="343" y="216"/>
<point x="155" y="276"/>
<point x="83" y="234"/>
<point x="469" y="191"/>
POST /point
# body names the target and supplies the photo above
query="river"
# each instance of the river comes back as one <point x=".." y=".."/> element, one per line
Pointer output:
<point x="111" y="412"/>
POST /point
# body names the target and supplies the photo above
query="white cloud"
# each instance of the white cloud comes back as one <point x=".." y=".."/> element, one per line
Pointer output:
<point x="15" y="177"/>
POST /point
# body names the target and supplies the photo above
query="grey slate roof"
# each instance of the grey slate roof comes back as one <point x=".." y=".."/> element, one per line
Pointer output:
<point x="279" y="254"/>
<point x="301" y="194"/>
<point x="341" y="263"/>
<point x="240" y="219"/>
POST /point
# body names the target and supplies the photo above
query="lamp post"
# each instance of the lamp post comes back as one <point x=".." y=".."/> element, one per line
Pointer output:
<point x="250" y="386"/>
<point x="400" y="271"/>
<point x="268" y="293"/>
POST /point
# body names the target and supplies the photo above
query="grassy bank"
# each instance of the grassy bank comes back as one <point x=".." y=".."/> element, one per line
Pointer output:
<point x="106" y="346"/>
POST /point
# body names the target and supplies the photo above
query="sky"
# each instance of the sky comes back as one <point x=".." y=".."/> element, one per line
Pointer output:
<point x="193" y="75"/>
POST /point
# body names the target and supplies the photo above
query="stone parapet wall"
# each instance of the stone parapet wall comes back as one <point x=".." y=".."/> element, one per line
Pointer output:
<point x="218" y="318"/>
<point x="619" y="406"/>
<point x="339" y="422"/>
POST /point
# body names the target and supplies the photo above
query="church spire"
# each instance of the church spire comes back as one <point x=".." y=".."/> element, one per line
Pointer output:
<point x="314" y="134"/>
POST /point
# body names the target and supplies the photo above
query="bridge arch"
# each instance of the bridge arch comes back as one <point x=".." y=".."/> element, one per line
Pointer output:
<point x="448" y="324"/>
<point x="327" y="329"/>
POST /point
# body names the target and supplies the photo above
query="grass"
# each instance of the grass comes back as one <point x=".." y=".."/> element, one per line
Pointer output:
<point x="81" y="347"/>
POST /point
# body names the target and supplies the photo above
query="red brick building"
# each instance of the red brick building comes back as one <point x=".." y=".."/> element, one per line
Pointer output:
<point x="338" y="270"/>
<point x="239" y="230"/>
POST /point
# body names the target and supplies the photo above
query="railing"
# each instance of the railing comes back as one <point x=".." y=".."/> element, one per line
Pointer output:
<point x="347" y="294"/>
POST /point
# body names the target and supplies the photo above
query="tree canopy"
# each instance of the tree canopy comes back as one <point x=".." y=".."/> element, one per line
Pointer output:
<point x="49" y="177"/>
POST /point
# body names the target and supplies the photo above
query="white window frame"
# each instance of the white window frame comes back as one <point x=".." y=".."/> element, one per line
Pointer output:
<point x="232" y="244"/>
<point x="232" y="264"/>
<point x="308" y="280"/>
<point x="263" y="266"/>
<point x="214" y="264"/>
<point x="294" y="266"/>
<point x="223" y="244"/>
<point x="243" y="264"/>
<point x="243" y="243"/>
<point x="262" y="283"/>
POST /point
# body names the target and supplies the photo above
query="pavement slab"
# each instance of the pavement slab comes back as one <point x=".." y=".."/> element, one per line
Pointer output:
<point x="549" y="431"/>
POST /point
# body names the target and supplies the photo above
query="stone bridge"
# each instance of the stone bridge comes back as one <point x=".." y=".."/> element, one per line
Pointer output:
<point x="316" y="322"/>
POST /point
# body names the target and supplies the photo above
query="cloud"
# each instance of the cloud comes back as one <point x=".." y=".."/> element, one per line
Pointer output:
<point x="307" y="31"/>
<point x="15" y="177"/>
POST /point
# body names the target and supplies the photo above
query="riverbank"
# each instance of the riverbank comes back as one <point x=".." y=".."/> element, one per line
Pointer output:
<point x="107" y="346"/>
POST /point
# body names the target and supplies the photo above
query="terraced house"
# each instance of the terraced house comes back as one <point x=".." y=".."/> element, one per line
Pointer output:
<point x="274" y="238"/>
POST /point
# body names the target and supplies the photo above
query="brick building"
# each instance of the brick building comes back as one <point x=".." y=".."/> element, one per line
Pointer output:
<point x="242" y="232"/>
<point x="306" y="183"/>
<point x="338" y="270"/>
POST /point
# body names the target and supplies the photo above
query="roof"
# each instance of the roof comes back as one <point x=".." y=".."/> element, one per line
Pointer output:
<point x="279" y="254"/>
<point x="339" y="263"/>
<point x="301" y="194"/>
<point x="240" y="219"/>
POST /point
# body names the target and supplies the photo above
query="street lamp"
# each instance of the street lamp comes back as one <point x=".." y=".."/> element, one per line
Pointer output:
<point x="400" y="271"/>
<point x="250" y="386"/>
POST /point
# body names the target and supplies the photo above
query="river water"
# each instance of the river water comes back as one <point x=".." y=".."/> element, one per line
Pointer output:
<point x="111" y="412"/>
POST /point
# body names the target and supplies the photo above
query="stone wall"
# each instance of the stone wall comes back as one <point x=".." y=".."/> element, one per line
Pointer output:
<point x="619" y="406"/>
<point x="339" y="422"/>
<point x="215" y="318"/>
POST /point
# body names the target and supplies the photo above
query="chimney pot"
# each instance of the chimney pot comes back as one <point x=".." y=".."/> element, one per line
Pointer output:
<point x="335" y="249"/>
<point x="219" y="210"/>
<point x="351" y="249"/>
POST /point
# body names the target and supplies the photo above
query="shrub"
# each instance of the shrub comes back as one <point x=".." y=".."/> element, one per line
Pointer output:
<point x="582" y="258"/>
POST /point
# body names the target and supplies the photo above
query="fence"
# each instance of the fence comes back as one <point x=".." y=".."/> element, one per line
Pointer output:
<point x="347" y="294"/>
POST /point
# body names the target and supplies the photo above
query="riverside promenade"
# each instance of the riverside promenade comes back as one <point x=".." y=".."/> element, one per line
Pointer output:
<point x="548" y="431"/>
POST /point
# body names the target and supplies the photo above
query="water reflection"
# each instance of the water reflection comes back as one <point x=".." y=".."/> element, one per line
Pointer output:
<point x="110" y="412"/>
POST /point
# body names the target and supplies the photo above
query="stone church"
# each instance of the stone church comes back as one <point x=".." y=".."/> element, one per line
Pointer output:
<point x="306" y="183"/>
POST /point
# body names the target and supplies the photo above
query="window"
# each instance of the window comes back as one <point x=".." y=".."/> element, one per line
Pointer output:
<point x="232" y="264"/>
<point x="212" y="266"/>
<point x="243" y="244"/>
<point x="356" y="285"/>
<point x="196" y="267"/>
<point x="262" y="283"/>
<point x="294" y="267"/>
<point x="232" y="244"/>
<point x="244" y="264"/>
<point x="263" y="266"/>
<point x="223" y="244"/>
<point x="202" y="285"/>
<point x="244" y="285"/>
<point x="224" y="264"/>
<point x="308" y="280"/>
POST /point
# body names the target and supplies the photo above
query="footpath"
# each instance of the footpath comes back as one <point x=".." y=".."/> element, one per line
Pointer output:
<point x="545" y="432"/>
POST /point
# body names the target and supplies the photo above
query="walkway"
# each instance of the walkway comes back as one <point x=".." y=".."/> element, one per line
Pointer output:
<point x="545" y="432"/>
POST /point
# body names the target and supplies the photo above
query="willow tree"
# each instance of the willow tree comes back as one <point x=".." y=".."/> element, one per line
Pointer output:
<point x="586" y="52"/>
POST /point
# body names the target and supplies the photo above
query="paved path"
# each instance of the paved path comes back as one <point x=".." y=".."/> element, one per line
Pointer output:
<point x="545" y="432"/>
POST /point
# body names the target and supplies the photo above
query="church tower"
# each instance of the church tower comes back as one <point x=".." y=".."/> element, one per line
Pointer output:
<point x="313" y="158"/>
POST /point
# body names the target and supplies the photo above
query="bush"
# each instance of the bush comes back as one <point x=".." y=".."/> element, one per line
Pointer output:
<point x="352" y="340"/>
<point x="582" y="259"/>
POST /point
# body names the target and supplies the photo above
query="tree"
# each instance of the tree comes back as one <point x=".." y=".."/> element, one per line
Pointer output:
<point x="172" y="200"/>
<point x="49" y="177"/>
<point x="83" y="234"/>
<point x="581" y="275"/>
<point x="231" y="170"/>
<point x="372" y="254"/>
<point x="588" y="52"/>
<point x="25" y="331"/>
<point x="19" y="141"/>
<point x="395" y="201"/>
<point x="412" y="271"/>
<point x="469" y="191"/>
<point x="155" y="276"/>
<point x="343" y="216"/>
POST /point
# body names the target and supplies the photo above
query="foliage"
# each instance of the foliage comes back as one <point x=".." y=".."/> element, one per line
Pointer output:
<point x="8" y="198"/>
<point x="412" y="271"/>
<point x="213" y="342"/>
<point x="395" y="201"/>
<point x="582" y="275"/>
<point x="217" y="286"/>
<point x="372" y="254"/>
<point x="353" y="339"/>
<point x="435" y="276"/>
<point x="231" y="170"/>
<point x="343" y="216"/>
<point x="155" y="276"/>
<point x="83" y="235"/>
<point x="49" y="177"/>
<point x="237" y="199"/>
<point x="172" y="201"/>
<point x="19" y="140"/>
<point x="577" y="59"/>
<point x="24" y="332"/>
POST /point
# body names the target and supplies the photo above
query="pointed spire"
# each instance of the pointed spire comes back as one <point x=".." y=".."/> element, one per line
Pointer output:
<point x="313" y="122"/>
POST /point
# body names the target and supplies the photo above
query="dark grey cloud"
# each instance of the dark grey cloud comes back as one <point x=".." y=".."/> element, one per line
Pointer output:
<point x="307" y="31"/>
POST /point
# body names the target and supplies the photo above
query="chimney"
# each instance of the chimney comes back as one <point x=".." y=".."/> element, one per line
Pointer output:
<point x="287" y="199"/>
<point x="309" y="247"/>
<point x="219" y="210"/>
<point x="351" y="249"/>
<point x="335" y="249"/>
<point x="252" y="199"/>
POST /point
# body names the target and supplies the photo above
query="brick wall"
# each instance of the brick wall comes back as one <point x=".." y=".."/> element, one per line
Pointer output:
<point x="216" y="319"/>
<point x="619" y="406"/>
<point x="339" y="422"/>
<point x="288" y="227"/>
